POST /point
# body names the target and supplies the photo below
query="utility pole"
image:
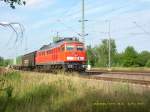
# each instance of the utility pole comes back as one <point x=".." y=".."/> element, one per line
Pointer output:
<point x="109" y="45"/>
<point x="57" y="35"/>
<point x="83" y="29"/>
<point x="83" y="22"/>
<point x="109" y="42"/>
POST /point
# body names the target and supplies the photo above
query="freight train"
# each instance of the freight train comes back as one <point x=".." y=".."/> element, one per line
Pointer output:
<point x="66" y="54"/>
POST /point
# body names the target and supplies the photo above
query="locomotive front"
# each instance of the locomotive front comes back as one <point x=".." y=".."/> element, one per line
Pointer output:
<point x="75" y="56"/>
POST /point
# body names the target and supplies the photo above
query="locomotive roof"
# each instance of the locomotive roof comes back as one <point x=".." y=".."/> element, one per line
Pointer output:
<point x="67" y="39"/>
<point x="52" y="45"/>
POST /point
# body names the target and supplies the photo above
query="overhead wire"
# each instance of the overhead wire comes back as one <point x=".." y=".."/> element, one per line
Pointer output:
<point x="67" y="14"/>
<point x="140" y="27"/>
<point x="18" y="33"/>
<point x="68" y="27"/>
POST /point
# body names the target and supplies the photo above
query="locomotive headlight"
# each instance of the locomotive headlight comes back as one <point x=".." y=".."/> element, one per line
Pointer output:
<point x="75" y="58"/>
<point x="70" y="58"/>
<point x="80" y="58"/>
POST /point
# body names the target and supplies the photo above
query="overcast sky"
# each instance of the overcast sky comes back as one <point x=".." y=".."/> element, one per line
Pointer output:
<point x="43" y="18"/>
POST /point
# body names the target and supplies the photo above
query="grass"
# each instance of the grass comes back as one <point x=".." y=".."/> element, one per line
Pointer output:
<point x="41" y="92"/>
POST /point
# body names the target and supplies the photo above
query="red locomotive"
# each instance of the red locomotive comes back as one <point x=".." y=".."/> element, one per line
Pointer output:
<point x="67" y="53"/>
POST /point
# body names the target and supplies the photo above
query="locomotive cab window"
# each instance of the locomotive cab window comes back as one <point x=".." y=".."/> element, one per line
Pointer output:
<point x="69" y="48"/>
<point x="80" y="48"/>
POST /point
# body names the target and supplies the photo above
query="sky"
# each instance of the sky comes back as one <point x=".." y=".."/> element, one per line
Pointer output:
<point x="42" y="19"/>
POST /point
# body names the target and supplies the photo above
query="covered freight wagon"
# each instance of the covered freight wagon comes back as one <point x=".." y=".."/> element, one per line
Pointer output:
<point x="28" y="60"/>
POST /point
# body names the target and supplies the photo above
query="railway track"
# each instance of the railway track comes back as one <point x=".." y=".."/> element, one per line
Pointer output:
<point x="91" y="72"/>
<point x="98" y="76"/>
<point x="133" y="81"/>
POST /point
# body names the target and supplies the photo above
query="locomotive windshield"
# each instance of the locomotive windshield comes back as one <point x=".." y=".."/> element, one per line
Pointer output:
<point x="79" y="48"/>
<point x="69" y="48"/>
<point x="75" y="47"/>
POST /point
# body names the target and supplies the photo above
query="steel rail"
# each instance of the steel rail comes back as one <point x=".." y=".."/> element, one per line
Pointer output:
<point x="122" y="80"/>
<point x="98" y="72"/>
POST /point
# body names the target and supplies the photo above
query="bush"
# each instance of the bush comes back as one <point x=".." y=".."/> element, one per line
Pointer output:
<point x="148" y="63"/>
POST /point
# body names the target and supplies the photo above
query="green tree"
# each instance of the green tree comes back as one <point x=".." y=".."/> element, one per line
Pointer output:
<point x="118" y="59"/>
<point x="130" y="57"/>
<point x="8" y="62"/>
<point x="13" y="2"/>
<point x="5" y="62"/>
<point x="91" y="55"/>
<point x="148" y="63"/>
<point x="143" y="57"/>
<point x="1" y="61"/>
<point x="102" y="53"/>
